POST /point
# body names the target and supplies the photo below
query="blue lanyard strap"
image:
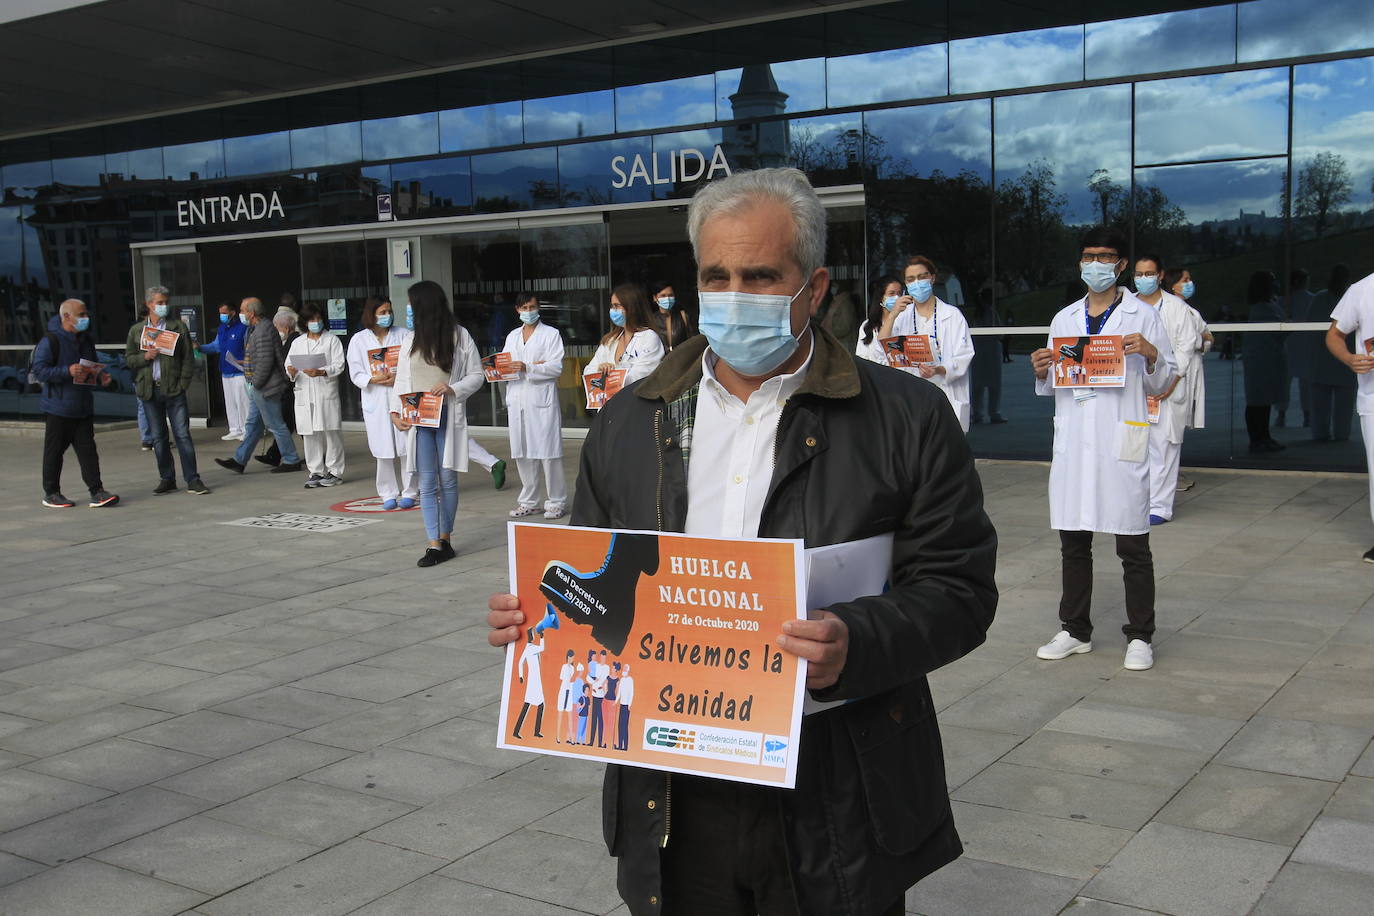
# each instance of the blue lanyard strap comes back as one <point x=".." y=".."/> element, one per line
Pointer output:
<point x="1101" y="319"/>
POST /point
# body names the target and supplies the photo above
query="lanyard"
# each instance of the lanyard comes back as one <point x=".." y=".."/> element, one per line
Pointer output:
<point x="934" y="326"/>
<point x="1101" y="319"/>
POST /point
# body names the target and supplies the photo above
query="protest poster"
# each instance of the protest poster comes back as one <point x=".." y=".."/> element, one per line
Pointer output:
<point x="497" y="368"/>
<point x="165" y="342"/>
<point x="1097" y="361"/>
<point x="599" y="387"/>
<point x="907" y="350"/>
<point x="420" y="408"/>
<point x="87" y="372"/>
<point x="383" y="359"/>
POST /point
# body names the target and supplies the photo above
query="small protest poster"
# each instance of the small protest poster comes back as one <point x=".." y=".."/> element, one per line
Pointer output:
<point x="599" y="386"/>
<point x="1098" y="361"/>
<point x="420" y="408"/>
<point x="907" y="350"/>
<point x="497" y="368"/>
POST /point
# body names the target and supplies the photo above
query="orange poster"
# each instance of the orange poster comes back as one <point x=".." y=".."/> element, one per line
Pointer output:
<point x="1152" y="408"/>
<point x="601" y="385"/>
<point x="383" y="359"/>
<point x="905" y="351"/>
<point x="497" y="368"/>
<point x="1089" y="362"/>
<point x="165" y="342"/>
<point x="656" y="650"/>
<point x="420" y="408"/>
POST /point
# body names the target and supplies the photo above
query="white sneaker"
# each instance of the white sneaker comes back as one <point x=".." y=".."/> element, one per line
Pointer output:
<point x="555" y="513"/>
<point x="228" y="437"/>
<point x="1140" y="656"/>
<point x="1062" y="646"/>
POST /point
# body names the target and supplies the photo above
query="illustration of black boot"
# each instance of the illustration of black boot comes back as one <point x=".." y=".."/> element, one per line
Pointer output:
<point x="604" y="599"/>
<point x="1074" y="352"/>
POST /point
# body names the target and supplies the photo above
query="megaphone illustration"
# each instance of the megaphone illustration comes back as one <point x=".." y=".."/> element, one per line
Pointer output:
<point x="550" y="621"/>
<point x="604" y="599"/>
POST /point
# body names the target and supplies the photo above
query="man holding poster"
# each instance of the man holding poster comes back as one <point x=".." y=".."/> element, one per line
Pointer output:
<point x="767" y="426"/>
<point x="1100" y="473"/>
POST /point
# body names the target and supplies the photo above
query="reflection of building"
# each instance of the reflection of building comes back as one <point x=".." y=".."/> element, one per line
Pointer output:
<point x="759" y="145"/>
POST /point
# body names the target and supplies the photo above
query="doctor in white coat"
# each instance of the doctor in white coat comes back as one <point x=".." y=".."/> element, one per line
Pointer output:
<point x="920" y="311"/>
<point x="533" y="412"/>
<point x="633" y="344"/>
<point x="1186" y="331"/>
<point x="1100" y="471"/>
<point x="387" y="444"/>
<point x="439" y="359"/>
<point x="318" y="417"/>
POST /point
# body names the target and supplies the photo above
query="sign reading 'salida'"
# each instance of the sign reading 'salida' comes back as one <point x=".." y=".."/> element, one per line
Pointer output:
<point x="210" y="211"/>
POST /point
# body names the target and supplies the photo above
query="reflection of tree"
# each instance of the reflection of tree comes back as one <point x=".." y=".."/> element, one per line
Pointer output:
<point x="1155" y="216"/>
<point x="1324" y="186"/>
<point x="849" y="154"/>
<point x="1030" y="214"/>
<point x="1109" y="194"/>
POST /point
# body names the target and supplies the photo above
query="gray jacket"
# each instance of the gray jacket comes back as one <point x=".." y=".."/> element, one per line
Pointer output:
<point x="265" y="360"/>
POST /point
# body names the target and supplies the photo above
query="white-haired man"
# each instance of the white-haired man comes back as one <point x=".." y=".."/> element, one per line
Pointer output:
<point x="767" y="426"/>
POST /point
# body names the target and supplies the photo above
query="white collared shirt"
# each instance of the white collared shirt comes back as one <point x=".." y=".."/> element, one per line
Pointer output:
<point x="732" y="453"/>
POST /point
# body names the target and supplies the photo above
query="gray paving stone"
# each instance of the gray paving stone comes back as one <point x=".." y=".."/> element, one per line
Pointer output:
<point x="1176" y="870"/>
<point x="553" y="869"/>
<point x="117" y="764"/>
<point x="1336" y="662"/>
<point x="205" y="854"/>
<point x="210" y="734"/>
<point x="252" y="770"/>
<point x="77" y="731"/>
<point x="17" y="653"/>
<point x="1110" y="803"/>
<point x="217" y="656"/>
<point x="1171" y="729"/>
<point x="10" y="725"/>
<point x="201" y="694"/>
<point x="366" y="682"/>
<point x="1087" y="906"/>
<point x="462" y="739"/>
<point x="283" y="635"/>
<point x="1353" y="801"/>
<point x="1337" y="702"/>
<point x="1270" y="807"/>
<point x="404" y="776"/>
<point x="1129" y="761"/>
<point x="968" y="887"/>
<point x="312" y="813"/>
<point x="437" y="896"/>
<point x="1010" y="709"/>
<point x="1295" y="747"/>
<point x="346" y="620"/>
<point x="1055" y="846"/>
<point x="314" y="660"/>
<point x="1312" y="889"/>
<point x="337" y="881"/>
<point x="292" y="706"/>
<point x="13" y="868"/>
<point x="93" y="887"/>
<point x="55" y="702"/>
<point x="139" y="677"/>
<point x="26" y="797"/>
<point x="412" y="630"/>
<point x="1335" y="842"/>
<point x="1365" y="765"/>
<point x="1175" y="694"/>
<point x="442" y="661"/>
<point x="87" y="634"/>
<point x="103" y="823"/>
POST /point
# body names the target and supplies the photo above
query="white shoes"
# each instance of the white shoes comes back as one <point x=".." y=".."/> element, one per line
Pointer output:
<point x="229" y="437"/>
<point x="1140" y="656"/>
<point x="523" y="511"/>
<point x="555" y="513"/>
<point x="1062" y="646"/>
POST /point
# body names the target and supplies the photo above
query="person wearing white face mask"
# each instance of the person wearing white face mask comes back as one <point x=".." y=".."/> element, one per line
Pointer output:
<point x="536" y="422"/>
<point x="394" y="487"/>
<point x="677" y="326"/>
<point x="917" y="310"/>
<point x="1099" y="473"/>
<point x="631" y="344"/>
<point x="318" y="418"/>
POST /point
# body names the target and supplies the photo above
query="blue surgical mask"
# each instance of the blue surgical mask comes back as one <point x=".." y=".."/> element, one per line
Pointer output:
<point x="666" y="303"/>
<point x="410" y="318"/>
<point x="920" y="289"/>
<point x="315" y="326"/>
<point x="384" y="321"/>
<point x="618" y="317"/>
<point x="223" y="318"/>
<point x="1146" y="286"/>
<point x="1188" y="289"/>
<point x="890" y="303"/>
<point x="752" y="332"/>
<point x="1097" y="276"/>
<point x="160" y="310"/>
<point x="83" y="323"/>
<point x="530" y="317"/>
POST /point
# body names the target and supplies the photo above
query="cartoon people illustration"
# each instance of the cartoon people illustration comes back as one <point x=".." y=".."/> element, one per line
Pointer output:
<point x="534" y="684"/>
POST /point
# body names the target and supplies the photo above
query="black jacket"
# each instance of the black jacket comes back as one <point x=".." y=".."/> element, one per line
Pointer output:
<point x="862" y="450"/>
<point x="266" y="359"/>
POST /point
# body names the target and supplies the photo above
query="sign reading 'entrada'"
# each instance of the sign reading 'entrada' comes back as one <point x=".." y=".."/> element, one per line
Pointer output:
<point x="209" y="211"/>
<point x="681" y="165"/>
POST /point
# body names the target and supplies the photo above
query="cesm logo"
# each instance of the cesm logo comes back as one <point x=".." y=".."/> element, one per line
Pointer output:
<point x="659" y="736"/>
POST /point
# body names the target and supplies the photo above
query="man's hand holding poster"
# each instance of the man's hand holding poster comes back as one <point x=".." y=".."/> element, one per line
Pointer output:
<point x="601" y="385"/>
<point x="656" y="650"/>
<point x="1098" y="361"/>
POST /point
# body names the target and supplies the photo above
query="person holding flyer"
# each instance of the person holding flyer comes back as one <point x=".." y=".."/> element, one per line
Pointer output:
<point x="917" y="310"/>
<point x="1354" y="314"/>
<point x="318" y="417"/>
<point x="766" y="425"/>
<point x="228" y="345"/>
<point x="1100" y="472"/>
<point x="380" y="332"/>
<point x="632" y="344"/>
<point x="536" y="422"/>
<point x="439" y="359"/>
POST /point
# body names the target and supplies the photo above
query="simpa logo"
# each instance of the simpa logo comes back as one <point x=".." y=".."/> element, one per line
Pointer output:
<point x="672" y="738"/>
<point x="775" y="750"/>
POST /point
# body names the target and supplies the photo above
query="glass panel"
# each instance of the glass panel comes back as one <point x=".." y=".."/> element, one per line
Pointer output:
<point x="1062" y="161"/>
<point x="664" y="170"/>
<point x="516" y="180"/>
<point x="332" y="144"/>
<point x="26" y="303"/>
<point x="690" y="100"/>
<point x="759" y="90"/>
<point x="584" y="114"/>
<point x="1001" y="390"/>
<point x="1019" y="59"/>
<point x="145" y="164"/>
<point x="843" y="309"/>
<point x="1155" y="44"/>
<point x="194" y="161"/>
<point x="601" y="173"/>
<point x="258" y="154"/>
<point x="478" y="127"/>
<point x="344" y="270"/>
<point x="23" y="179"/>
<point x="433" y="187"/>
<point x="1288" y="28"/>
<point x="80" y="171"/>
<point x="486" y="277"/>
<point x="1222" y="116"/>
<point x="397" y="138"/>
<point x="887" y="76"/>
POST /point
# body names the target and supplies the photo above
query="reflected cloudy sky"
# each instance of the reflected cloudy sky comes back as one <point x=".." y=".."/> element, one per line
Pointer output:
<point x="887" y="76"/>
<point x="480" y="126"/>
<point x="1154" y="44"/>
<point x="1333" y="111"/>
<point x="396" y="138"/>
<point x="1212" y="117"/>
<point x="334" y="143"/>
<point x="449" y="178"/>
<point x="690" y="100"/>
<point x="950" y="137"/>
<point x="1018" y="59"/>
<point x="1220" y="191"/>
<point x="584" y="114"/>
<point x="1287" y="28"/>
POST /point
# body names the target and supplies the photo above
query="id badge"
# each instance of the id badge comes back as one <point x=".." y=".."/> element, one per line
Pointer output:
<point x="1084" y="394"/>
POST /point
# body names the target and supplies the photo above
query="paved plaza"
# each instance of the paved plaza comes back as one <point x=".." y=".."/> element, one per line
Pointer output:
<point x="205" y="718"/>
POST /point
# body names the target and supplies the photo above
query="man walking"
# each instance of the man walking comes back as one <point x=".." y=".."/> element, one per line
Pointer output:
<point x="267" y="383"/>
<point x="228" y="345"/>
<point x="160" y="381"/>
<point x="768" y="426"/>
<point x="66" y="364"/>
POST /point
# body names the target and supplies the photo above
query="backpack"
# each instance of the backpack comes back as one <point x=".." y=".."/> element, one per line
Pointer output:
<point x="51" y="338"/>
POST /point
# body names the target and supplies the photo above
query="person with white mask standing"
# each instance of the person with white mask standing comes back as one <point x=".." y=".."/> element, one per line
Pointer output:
<point x="1100" y="472"/>
<point x="318" y="415"/>
<point x="536" y="422"/>
<point x="920" y="311"/>
<point x="632" y="343"/>
<point x="395" y="487"/>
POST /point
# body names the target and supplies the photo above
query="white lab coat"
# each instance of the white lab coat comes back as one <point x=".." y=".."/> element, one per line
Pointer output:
<point x="465" y="378"/>
<point x="317" y="398"/>
<point x="529" y="670"/>
<point x="1185" y="408"/>
<point x="383" y="439"/>
<point x="642" y="355"/>
<point x="536" y="421"/>
<point x="955" y="351"/>
<point x="1100" y="470"/>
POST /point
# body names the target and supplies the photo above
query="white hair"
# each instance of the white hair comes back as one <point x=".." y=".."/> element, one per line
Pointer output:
<point x="153" y="292"/>
<point x="789" y="187"/>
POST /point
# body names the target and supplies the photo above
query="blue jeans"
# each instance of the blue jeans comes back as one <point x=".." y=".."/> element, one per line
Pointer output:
<point x="265" y="412"/>
<point x="160" y="411"/>
<point x="438" y="484"/>
<point x="145" y="429"/>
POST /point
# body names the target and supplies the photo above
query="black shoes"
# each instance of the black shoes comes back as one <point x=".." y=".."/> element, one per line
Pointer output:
<point x="436" y="555"/>
<point x="166" y="486"/>
<point x="288" y="468"/>
<point x="1368" y="554"/>
<point x="102" y="498"/>
<point x="57" y="501"/>
<point x="267" y="459"/>
<point x="230" y="464"/>
<point x="198" y="488"/>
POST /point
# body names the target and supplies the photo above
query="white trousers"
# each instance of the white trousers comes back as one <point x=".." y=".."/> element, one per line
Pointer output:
<point x="1367" y="430"/>
<point x="480" y="455"/>
<point x="324" y="452"/>
<point x="1164" y="457"/>
<point x="389" y="482"/>
<point x="235" y="402"/>
<point x="554" y="483"/>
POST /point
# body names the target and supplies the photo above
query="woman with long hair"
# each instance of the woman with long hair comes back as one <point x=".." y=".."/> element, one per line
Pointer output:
<point x="677" y="325"/>
<point x="883" y="294"/>
<point x="318" y="416"/>
<point x="632" y="343"/>
<point x="381" y="330"/>
<point x="440" y="359"/>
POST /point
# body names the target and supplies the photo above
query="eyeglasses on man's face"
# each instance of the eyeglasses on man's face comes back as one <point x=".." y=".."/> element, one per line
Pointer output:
<point x="1101" y="257"/>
